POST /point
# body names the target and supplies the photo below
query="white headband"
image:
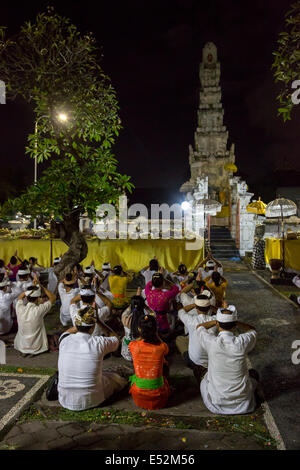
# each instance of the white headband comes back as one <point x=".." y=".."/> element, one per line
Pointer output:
<point x="202" y="302"/>
<point x="33" y="293"/>
<point x="207" y="293"/>
<point x="227" y="317"/>
<point x="23" y="272"/>
<point x="4" y="283"/>
<point x="106" y="266"/>
<point x="88" y="292"/>
<point x="57" y="260"/>
<point x="210" y="264"/>
<point x="89" y="270"/>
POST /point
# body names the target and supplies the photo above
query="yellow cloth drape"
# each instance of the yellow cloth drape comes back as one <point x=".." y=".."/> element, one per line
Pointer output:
<point x="273" y="250"/>
<point x="131" y="254"/>
<point x="224" y="212"/>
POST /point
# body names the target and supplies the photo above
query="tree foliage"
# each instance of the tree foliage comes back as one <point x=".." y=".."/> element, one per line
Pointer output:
<point x="52" y="65"/>
<point x="286" y="63"/>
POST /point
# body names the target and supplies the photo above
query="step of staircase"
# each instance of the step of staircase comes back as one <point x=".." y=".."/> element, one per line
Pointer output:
<point x="222" y="245"/>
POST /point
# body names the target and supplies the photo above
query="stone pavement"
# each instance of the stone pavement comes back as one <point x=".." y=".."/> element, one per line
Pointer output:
<point x="57" y="435"/>
<point x="16" y="391"/>
<point x="278" y="324"/>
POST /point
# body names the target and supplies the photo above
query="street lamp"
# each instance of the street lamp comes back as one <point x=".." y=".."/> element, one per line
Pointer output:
<point x="61" y="117"/>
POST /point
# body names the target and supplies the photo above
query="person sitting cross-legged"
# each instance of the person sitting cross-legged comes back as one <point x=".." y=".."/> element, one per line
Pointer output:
<point x="217" y="284"/>
<point x="88" y="297"/>
<point x="228" y="387"/>
<point x="31" y="338"/>
<point x="199" y="311"/>
<point x="82" y="384"/>
<point x="67" y="291"/>
<point x="159" y="292"/>
<point x="130" y="319"/>
<point x="8" y="294"/>
<point x="210" y="264"/>
<point x="149" y="385"/>
<point x="118" y="284"/>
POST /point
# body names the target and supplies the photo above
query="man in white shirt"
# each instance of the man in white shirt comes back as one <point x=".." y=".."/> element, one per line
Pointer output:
<point x="8" y="293"/>
<point x="82" y="384"/>
<point x="88" y="297"/>
<point x="52" y="278"/>
<point x="227" y="387"/>
<point x="153" y="268"/>
<point x="32" y="337"/>
<point x="24" y="281"/>
<point x="105" y="273"/>
<point x="209" y="264"/>
<point x="67" y="291"/>
<point x="191" y="316"/>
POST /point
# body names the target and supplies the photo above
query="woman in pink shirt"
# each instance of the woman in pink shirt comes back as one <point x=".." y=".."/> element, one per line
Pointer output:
<point x="14" y="268"/>
<point x="158" y="293"/>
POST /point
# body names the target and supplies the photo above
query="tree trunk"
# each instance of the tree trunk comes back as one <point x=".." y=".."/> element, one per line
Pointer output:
<point x="68" y="232"/>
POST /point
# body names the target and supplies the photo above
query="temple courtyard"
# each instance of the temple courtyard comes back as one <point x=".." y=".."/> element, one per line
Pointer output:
<point x="29" y="421"/>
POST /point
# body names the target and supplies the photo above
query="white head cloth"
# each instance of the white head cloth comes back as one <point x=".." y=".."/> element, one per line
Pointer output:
<point x="210" y="264"/>
<point x="89" y="270"/>
<point x="106" y="266"/>
<point x="23" y="272"/>
<point x="88" y="292"/>
<point x="202" y="302"/>
<point x="57" y="260"/>
<point x="227" y="317"/>
<point x="207" y="293"/>
<point x="33" y="293"/>
<point x="4" y="283"/>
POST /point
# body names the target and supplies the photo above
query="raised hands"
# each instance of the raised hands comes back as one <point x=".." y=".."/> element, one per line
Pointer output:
<point x="35" y="279"/>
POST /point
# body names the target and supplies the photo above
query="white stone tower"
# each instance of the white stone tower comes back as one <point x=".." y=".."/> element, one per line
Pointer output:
<point x="210" y="154"/>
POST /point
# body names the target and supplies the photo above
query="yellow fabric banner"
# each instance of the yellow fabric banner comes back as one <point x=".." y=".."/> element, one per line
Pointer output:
<point x="273" y="250"/>
<point x="131" y="254"/>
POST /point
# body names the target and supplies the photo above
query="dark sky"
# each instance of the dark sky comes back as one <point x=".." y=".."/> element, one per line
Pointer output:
<point x="152" y="50"/>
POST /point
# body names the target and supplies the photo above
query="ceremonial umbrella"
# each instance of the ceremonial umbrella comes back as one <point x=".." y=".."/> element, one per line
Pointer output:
<point x="281" y="207"/>
<point x="257" y="207"/>
<point x="230" y="167"/>
<point x="210" y="205"/>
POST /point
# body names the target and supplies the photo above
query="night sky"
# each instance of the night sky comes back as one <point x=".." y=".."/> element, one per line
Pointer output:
<point x="152" y="50"/>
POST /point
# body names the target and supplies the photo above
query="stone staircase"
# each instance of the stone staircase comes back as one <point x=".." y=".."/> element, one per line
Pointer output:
<point x="223" y="247"/>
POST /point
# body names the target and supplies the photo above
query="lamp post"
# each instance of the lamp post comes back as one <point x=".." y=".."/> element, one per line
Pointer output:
<point x="61" y="117"/>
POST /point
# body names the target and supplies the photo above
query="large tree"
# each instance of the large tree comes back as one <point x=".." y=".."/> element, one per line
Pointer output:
<point x="53" y="66"/>
<point x="286" y="63"/>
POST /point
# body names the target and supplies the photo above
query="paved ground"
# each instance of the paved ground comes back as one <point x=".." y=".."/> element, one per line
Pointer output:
<point x="55" y="435"/>
<point x="278" y="324"/>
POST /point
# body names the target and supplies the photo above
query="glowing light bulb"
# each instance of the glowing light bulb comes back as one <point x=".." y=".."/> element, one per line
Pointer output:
<point x="185" y="205"/>
<point x="63" y="117"/>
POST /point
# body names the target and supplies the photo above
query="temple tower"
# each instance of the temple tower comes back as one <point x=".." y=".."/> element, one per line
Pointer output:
<point x="212" y="164"/>
<point x="210" y="156"/>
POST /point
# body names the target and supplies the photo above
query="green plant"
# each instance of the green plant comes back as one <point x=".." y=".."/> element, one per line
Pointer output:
<point x="286" y="63"/>
<point x="51" y="64"/>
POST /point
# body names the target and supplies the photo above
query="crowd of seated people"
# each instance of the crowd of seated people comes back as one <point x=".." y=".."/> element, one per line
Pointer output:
<point x="186" y="308"/>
